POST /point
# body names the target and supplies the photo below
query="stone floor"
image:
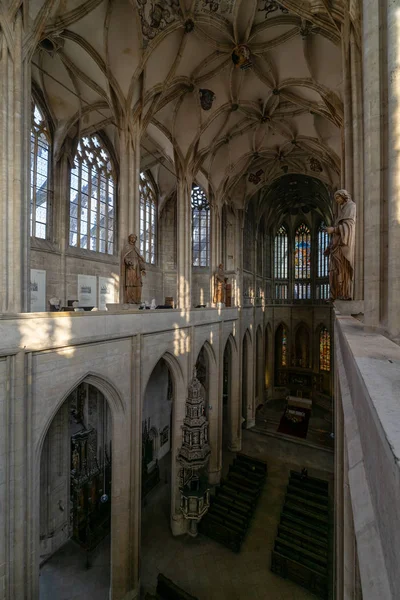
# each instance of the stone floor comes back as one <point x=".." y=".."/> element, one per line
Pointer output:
<point x="208" y="570"/>
<point x="65" y="576"/>
<point x="319" y="429"/>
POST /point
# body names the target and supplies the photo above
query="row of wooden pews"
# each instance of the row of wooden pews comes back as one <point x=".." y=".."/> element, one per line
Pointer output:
<point x="233" y="505"/>
<point x="301" y="551"/>
<point x="168" y="590"/>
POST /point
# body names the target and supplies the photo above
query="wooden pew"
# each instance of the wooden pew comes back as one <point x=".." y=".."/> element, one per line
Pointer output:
<point x="240" y="468"/>
<point x="322" y="485"/>
<point x="302" y="555"/>
<point x="226" y="503"/>
<point x="303" y="540"/>
<point x="223" y="495"/>
<point x="311" y="504"/>
<point x="220" y="532"/>
<point x="168" y="590"/>
<point x="308" y="578"/>
<point x="242" y="480"/>
<point x="301" y="526"/>
<point x="303" y="510"/>
<point x="306" y="493"/>
<point x="252" y="463"/>
<point x="234" y="490"/>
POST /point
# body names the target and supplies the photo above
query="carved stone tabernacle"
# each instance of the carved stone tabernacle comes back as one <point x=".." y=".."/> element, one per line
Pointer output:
<point x="194" y="456"/>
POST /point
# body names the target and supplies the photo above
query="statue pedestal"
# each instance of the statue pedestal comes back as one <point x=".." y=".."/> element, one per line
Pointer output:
<point x="114" y="307"/>
<point x="349" y="307"/>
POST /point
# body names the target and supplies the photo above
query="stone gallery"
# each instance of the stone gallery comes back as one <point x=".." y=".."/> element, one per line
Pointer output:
<point x="200" y="299"/>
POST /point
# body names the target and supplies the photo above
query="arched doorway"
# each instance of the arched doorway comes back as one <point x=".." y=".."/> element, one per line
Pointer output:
<point x="268" y="360"/>
<point x="157" y="428"/>
<point x="227" y="395"/>
<point x="247" y="366"/>
<point x="75" y="497"/>
<point x="259" y="369"/>
<point x="302" y="347"/>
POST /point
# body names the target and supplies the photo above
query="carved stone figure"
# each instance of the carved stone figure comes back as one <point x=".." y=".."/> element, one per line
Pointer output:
<point x="341" y="248"/>
<point x="220" y="285"/>
<point x="134" y="269"/>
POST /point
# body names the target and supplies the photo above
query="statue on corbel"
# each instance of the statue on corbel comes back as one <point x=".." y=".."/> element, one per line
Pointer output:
<point x="220" y="282"/>
<point x="341" y="248"/>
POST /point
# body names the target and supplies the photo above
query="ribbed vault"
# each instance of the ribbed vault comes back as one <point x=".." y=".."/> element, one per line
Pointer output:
<point x="174" y="73"/>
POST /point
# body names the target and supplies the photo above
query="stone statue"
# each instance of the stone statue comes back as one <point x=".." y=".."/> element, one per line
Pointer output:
<point x="220" y="285"/>
<point x="134" y="267"/>
<point x="341" y="249"/>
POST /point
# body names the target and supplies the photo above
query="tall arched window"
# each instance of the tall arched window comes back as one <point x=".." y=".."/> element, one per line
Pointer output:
<point x="281" y="263"/>
<point x="323" y="264"/>
<point x="302" y="262"/>
<point x="92" y="198"/>
<point x="148" y="219"/>
<point x="281" y="347"/>
<point x="324" y="350"/>
<point x="40" y="170"/>
<point x="200" y="228"/>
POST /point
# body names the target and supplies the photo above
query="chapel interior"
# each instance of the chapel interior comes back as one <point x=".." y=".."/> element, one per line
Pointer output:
<point x="200" y="299"/>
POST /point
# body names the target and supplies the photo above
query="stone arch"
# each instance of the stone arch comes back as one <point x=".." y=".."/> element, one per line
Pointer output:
<point x="248" y="408"/>
<point x="233" y="391"/>
<point x="302" y="346"/>
<point x="268" y="359"/>
<point x="123" y="529"/>
<point x="178" y="525"/>
<point x="259" y="360"/>
<point x="103" y="385"/>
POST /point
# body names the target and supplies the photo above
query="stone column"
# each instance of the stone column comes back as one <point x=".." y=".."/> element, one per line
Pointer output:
<point x="393" y="66"/>
<point x="358" y="163"/>
<point x="372" y="77"/>
<point x="235" y="409"/>
<point x="184" y="243"/>
<point x="15" y="123"/>
<point x="129" y="197"/>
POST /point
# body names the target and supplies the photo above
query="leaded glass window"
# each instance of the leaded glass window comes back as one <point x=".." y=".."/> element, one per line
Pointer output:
<point x="92" y="198"/>
<point x="40" y="170"/>
<point x="200" y="228"/>
<point x="323" y="243"/>
<point x="281" y="254"/>
<point x="302" y="253"/>
<point x="284" y="351"/>
<point x="148" y="220"/>
<point x="324" y="350"/>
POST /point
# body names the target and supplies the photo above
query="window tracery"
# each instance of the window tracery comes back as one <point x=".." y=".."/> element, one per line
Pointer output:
<point x="40" y="170"/>
<point x="281" y="263"/>
<point x="92" y="198"/>
<point x="148" y="219"/>
<point x="200" y="227"/>
<point x="323" y="263"/>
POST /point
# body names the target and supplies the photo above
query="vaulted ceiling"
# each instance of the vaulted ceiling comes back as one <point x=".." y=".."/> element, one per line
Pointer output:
<point x="234" y="93"/>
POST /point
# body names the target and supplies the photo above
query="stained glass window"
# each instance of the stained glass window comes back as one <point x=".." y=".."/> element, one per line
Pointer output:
<point x="324" y="350"/>
<point x="92" y="198"/>
<point x="302" y="291"/>
<point x="302" y="253"/>
<point x="284" y="355"/>
<point x="148" y="219"/>
<point x="200" y="228"/>
<point x="281" y="254"/>
<point x="40" y="169"/>
<point x="323" y="243"/>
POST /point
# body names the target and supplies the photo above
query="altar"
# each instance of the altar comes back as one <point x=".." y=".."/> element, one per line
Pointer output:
<point x="295" y="401"/>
